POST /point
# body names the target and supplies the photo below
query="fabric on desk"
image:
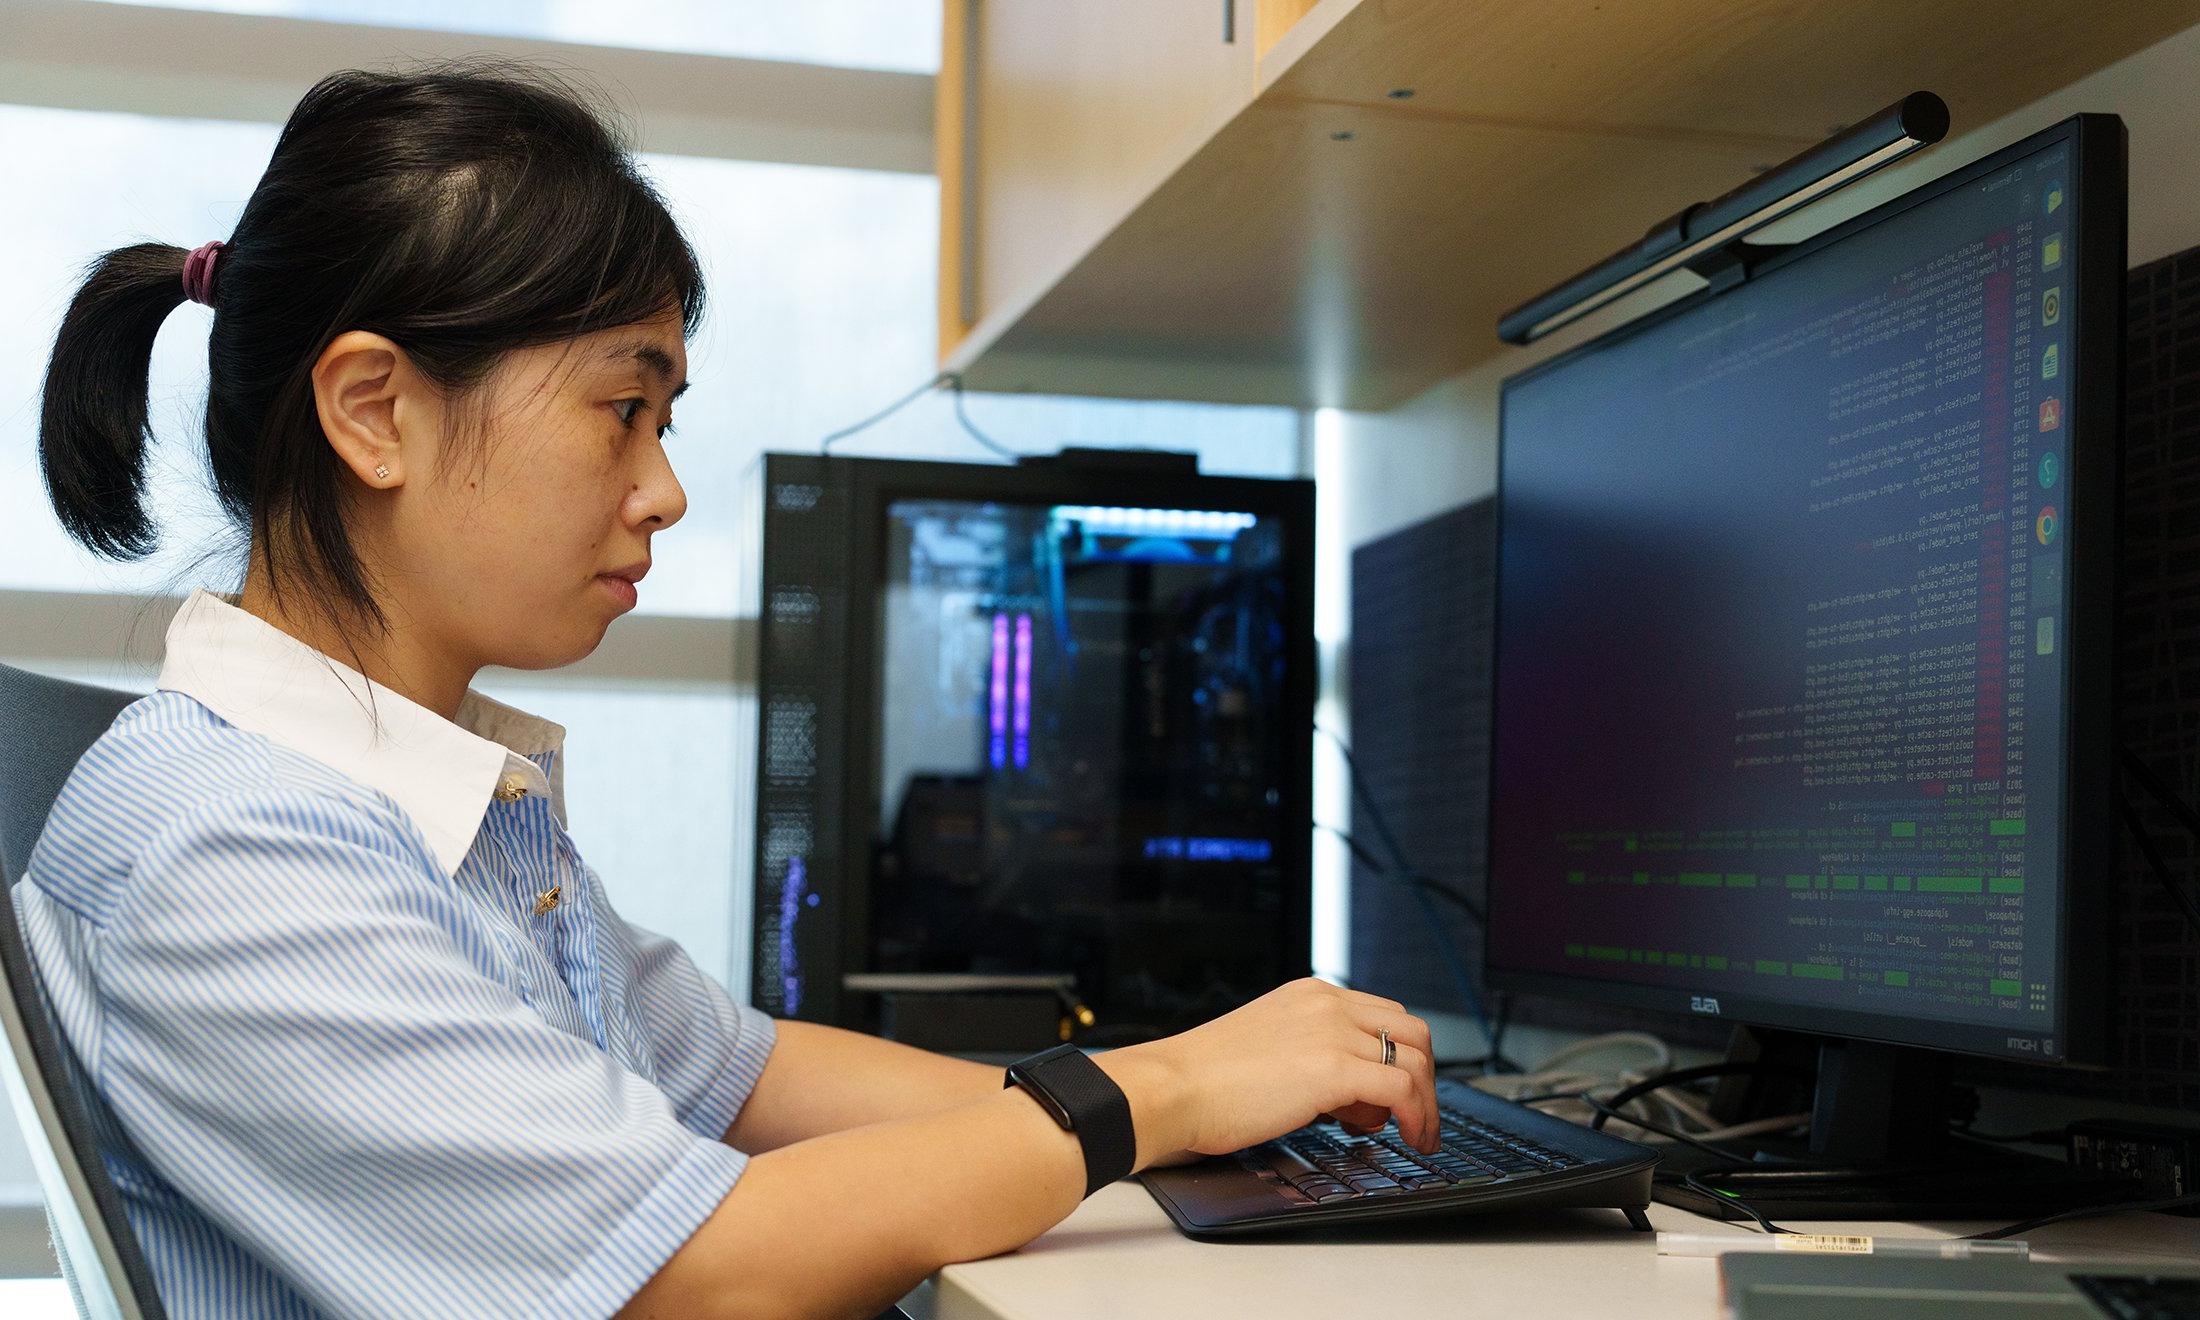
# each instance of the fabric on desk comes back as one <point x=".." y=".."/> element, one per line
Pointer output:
<point x="335" y="1075"/>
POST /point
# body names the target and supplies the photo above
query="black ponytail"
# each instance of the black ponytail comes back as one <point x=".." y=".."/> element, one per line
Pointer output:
<point x="463" y="210"/>
<point x="92" y="427"/>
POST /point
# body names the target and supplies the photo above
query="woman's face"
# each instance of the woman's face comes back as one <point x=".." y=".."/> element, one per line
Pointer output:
<point x="509" y="546"/>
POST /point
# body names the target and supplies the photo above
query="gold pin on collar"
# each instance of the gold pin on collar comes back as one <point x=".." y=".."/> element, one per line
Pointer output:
<point x="511" y="788"/>
<point x="547" y="900"/>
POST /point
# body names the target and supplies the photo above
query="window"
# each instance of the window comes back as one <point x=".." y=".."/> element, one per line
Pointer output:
<point x="868" y="34"/>
<point x="178" y="181"/>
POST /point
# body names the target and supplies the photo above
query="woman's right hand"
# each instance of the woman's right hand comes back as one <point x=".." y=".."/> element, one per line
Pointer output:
<point x="993" y="1172"/>
<point x="1299" y="1052"/>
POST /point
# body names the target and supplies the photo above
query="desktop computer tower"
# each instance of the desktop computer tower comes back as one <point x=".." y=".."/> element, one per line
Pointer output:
<point x="1033" y="744"/>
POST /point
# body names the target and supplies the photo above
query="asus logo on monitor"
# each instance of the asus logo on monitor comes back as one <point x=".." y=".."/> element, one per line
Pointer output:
<point x="1704" y="1004"/>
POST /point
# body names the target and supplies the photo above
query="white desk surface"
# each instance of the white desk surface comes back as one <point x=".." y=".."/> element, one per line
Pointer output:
<point x="36" y="1299"/>
<point x="1118" y="1256"/>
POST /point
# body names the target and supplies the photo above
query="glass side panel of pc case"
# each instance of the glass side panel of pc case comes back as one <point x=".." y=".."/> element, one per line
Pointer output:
<point x="1051" y="719"/>
<point x="1087" y="750"/>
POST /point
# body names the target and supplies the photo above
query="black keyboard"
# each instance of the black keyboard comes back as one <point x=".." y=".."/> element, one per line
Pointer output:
<point x="1496" y="1155"/>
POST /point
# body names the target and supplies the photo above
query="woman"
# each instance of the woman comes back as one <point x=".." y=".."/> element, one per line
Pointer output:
<point x="362" y="1035"/>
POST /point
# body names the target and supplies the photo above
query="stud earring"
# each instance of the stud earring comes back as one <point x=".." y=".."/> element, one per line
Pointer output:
<point x="382" y="472"/>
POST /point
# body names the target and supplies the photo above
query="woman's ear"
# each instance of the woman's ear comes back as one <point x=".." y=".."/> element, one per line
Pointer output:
<point x="359" y="384"/>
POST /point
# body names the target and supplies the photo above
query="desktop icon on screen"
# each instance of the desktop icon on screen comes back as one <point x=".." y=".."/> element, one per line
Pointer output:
<point x="2051" y="251"/>
<point x="2048" y="526"/>
<point x="2051" y="305"/>
<point x="2050" y="414"/>
<point x="2051" y="199"/>
<point x="2050" y="470"/>
<point x="2051" y="362"/>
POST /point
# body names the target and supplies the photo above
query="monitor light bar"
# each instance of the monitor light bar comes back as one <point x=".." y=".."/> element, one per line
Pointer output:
<point x="1698" y="233"/>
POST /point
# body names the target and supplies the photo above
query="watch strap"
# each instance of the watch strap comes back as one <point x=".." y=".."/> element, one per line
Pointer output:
<point x="1084" y="1099"/>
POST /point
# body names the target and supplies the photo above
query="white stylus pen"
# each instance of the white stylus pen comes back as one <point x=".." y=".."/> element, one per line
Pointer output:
<point x="1838" y="1244"/>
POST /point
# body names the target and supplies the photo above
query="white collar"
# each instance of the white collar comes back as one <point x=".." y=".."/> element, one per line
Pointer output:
<point x="442" y="774"/>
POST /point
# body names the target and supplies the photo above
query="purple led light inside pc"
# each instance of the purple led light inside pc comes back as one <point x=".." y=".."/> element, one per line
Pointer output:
<point x="997" y="705"/>
<point x="1023" y="691"/>
<point x="790" y="906"/>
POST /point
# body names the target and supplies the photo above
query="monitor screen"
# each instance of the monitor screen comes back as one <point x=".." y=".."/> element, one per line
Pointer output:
<point x="1784" y="707"/>
<point x="1087" y="750"/>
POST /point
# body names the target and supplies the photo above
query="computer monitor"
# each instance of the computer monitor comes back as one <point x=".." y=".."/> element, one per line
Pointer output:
<point x="1802" y="712"/>
<point x="1049" y="720"/>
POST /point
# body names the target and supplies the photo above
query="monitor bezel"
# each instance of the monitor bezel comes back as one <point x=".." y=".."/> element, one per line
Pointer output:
<point x="2094" y="424"/>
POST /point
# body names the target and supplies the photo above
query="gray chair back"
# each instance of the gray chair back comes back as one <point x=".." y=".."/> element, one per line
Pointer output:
<point x="45" y="726"/>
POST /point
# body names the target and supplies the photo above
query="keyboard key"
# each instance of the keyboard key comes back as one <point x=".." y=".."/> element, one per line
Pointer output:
<point x="1293" y="1166"/>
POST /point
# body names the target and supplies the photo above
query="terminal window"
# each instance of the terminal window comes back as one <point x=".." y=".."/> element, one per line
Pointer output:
<point x="1780" y="696"/>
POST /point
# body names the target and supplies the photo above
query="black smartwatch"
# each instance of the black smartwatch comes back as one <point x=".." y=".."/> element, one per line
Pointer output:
<point x="1086" y="1101"/>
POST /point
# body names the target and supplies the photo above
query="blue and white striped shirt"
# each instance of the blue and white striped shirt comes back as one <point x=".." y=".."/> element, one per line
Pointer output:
<point x="338" y="1062"/>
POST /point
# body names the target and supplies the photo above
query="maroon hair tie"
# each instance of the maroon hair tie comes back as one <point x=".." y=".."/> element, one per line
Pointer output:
<point x="198" y="272"/>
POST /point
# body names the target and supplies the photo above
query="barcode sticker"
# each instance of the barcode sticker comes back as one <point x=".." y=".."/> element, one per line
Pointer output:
<point x="1824" y="1242"/>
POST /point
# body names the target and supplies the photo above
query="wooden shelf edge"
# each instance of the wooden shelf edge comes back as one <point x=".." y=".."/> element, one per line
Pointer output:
<point x="1135" y="313"/>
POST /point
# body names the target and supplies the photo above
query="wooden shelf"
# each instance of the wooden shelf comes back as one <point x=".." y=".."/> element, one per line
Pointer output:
<point x="1321" y="242"/>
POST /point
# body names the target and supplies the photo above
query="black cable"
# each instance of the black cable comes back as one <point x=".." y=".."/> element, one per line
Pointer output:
<point x="1497" y="1060"/>
<point x="1461" y="977"/>
<point x="1457" y="898"/>
<point x="2083" y="1212"/>
<point x="1359" y="850"/>
<point x="825" y="446"/>
<point x="1609" y="1108"/>
<point x="1548" y="1096"/>
<point x="1366" y="797"/>
<point x="1606" y="1112"/>
<point x="954" y="382"/>
<point x="955" y="387"/>
<point x="1722" y="1196"/>
<point x="1678" y="1076"/>
<point x="1719" y="1196"/>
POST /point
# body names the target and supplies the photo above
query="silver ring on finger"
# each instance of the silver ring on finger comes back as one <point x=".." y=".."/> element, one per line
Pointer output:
<point x="1390" y="1047"/>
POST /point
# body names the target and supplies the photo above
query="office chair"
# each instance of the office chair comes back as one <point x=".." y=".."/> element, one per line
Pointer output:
<point x="45" y="726"/>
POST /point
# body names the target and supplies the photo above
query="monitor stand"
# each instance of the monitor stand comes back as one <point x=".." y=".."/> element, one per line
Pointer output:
<point x="1881" y="1145"/>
